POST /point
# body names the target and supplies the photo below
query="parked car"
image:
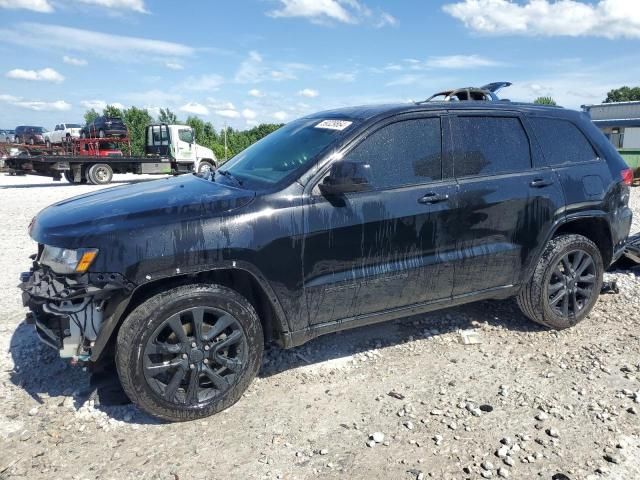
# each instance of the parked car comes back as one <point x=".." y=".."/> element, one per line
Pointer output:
<point x="62" y="132"/>
<point x="336" y="220"/>
<point x="29" y="134"/>
<point x="103" y="127"/>
<point x="6" y="136"/>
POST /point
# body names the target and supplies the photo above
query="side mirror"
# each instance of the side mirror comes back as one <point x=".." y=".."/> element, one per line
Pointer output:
<point x="346" y="177"/>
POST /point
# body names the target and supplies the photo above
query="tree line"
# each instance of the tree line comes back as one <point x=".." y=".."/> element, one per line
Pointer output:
<point x="136" y="119"/>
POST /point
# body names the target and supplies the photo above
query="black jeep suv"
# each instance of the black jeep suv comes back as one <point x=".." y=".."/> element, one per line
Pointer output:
<point x="337" y="220"/>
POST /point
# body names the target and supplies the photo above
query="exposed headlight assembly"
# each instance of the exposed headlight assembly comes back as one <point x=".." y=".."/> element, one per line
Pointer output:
<point x="67" y="261"/>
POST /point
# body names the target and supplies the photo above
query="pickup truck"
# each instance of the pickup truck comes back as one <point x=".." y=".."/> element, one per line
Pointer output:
<point x="62" y="133"/>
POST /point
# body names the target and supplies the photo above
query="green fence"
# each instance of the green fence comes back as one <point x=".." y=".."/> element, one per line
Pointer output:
<point x="632" y="157"/>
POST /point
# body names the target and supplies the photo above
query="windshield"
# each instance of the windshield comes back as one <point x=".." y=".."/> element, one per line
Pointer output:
<point x="286" y="150"/>
<point x="73" y="125"/>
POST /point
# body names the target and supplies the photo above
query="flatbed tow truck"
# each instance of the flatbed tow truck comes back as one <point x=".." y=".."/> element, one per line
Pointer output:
<point x="169" y="149"/>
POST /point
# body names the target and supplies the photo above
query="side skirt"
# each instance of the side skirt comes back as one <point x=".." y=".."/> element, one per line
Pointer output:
<point x="299" y="337"/>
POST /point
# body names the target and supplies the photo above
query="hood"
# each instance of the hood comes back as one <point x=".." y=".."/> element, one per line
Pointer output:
<point x="129" y="208"/>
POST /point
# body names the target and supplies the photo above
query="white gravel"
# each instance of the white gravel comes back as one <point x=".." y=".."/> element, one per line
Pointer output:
<point x="313" y="409"/>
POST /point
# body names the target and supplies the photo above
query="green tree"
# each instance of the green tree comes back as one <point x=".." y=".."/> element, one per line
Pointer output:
<point x="623" y="94"/>
<point x="136" y="120"/>
<point x="545" y="101"/>
<point x="90" y="115"/>
<point x="168" y="117"/>
<point x="111" y="111"/>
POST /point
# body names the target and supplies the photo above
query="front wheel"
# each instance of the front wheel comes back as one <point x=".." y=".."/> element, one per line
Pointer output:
<point x="189" y="352"/>
<point x="566" y="283"/>
<point x="205" y="166"/>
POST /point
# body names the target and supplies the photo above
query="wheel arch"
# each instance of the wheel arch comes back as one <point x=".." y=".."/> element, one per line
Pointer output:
<point x="243" y="281"/>
<point x="596" y="228"/>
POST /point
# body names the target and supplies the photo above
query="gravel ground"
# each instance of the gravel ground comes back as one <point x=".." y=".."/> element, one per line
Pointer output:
<point x="402" y="400"/>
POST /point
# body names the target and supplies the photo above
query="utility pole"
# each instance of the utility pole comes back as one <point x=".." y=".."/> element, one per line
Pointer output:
<point x="225" y="141"/>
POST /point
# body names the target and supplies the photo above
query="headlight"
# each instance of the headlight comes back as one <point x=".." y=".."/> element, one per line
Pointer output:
<point x="66" y="261"/>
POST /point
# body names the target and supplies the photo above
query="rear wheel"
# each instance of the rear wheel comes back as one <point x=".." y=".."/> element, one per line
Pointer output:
<point x="99" y="174"/>
<point x="69" y="177"/>
<point x="566" y="283"/>
<point x="189" y="352"/>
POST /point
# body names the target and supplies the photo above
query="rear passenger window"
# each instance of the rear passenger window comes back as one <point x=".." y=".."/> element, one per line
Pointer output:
<point x="562" y="142"/>
<point x="403" y="153"/>
<point x="489" y="146"/>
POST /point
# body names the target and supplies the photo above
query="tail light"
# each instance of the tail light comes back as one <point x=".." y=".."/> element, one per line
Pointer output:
<point x="627" y="176"/>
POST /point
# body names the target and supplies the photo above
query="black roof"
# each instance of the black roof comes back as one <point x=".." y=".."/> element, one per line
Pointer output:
<point x="371" y="112"/>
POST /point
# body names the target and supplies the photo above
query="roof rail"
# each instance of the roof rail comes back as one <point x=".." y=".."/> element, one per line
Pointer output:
<point x="486" y="93"/>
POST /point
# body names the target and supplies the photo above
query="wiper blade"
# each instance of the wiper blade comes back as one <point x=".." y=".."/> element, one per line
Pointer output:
<point x="230" y="175"/>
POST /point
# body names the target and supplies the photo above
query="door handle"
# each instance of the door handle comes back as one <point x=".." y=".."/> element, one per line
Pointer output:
<point x="540" y="183"/>
<point x="431" y="198"/>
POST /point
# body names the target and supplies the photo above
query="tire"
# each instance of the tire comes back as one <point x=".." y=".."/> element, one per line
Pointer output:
<point x="68" y="176"/>
<point x="32" y="141"/>
<point x="205" y="166"/>
<point x="47" y="144"/>
<point x="83" y="135"/>
<point x="543" y="297"/>
<point x="141" y="359"/>
<point x="101" y="133"/>
<point x="99" y="174"/>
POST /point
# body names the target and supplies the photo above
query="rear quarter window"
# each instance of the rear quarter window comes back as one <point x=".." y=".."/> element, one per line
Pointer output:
<point x="562" y="142"/>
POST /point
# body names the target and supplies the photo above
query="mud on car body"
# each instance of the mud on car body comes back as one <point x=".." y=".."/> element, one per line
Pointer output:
<point x="339" y="219"/>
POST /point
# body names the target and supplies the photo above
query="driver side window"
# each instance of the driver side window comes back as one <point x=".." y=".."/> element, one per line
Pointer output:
<point x="408" y="152"/>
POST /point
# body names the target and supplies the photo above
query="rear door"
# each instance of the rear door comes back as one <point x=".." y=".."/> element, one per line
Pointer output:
<point x="389" y="247"/>
<point x="507" y="200"/>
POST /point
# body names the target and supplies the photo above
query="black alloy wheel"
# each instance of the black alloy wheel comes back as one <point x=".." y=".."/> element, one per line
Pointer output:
<point x="194" y="356"/>
<point x="571" y="283"/>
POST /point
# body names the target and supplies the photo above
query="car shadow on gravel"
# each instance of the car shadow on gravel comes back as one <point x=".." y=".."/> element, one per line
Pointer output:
<point x="47" y="378"/>
<point x="65" y="184"/>
<point x="342" y="347"/>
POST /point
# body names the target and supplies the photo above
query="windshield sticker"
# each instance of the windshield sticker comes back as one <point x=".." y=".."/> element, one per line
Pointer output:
<point x="334" y="124"/>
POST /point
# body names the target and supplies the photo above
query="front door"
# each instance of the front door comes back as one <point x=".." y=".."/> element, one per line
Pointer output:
<point x="507" y="200"/>
<point x="184" y="144"/>
<point x="389" y="247"/>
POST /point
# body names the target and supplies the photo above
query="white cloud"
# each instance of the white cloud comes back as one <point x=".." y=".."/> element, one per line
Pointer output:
<point x="135" y="5"/>
<point x="44" y="75"/>
<point x="281" y="116"/>
<point x="216" y="105"/>
<point x="279" y="75"/>
<point x="77" y="62"/>
<point x="228" y="113"/>
<point x="341" y="76"/>
<point x="204" y="83"/>
<point x="249" y="114"/>
<point x="254" y="92"/>
<point x="324" y="12"/>
<point x="251" y="69"/>
<point x="604" y="18"/>
<point x="461" y="62"/>
<point x="42" y="6"/>
<point x="113" y="47"/>
<point x="100" y="105"/>
<point x="36" y="105"/>
<point x="174" y="66"/>
<point x="309" y="93"/>
<point x="194" y="108"/>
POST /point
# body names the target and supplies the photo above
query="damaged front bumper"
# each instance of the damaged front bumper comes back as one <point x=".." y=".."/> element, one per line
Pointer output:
<point x="68" y="311"/>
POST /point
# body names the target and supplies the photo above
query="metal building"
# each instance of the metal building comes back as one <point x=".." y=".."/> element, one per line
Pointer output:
<point x="620" y="122"/>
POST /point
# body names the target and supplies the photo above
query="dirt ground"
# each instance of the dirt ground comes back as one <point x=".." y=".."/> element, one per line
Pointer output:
<point x="523" y="403"/>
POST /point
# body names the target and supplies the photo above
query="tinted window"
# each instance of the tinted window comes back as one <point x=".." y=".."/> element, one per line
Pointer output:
<point x="403" y="153"/>
<point x="489" y="146"/>
<point x="562" y="142"/>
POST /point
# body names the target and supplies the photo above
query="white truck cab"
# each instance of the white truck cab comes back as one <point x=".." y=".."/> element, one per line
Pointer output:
<point x="178" y="142"/>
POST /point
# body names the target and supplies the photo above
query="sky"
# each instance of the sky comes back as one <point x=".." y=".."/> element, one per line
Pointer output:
<point x="246" y="62"/>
